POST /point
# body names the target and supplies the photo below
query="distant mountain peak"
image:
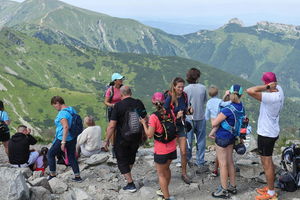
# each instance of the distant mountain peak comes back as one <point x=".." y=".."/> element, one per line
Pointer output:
<point x="289" y="30"/>
<point x="236" y="21"/>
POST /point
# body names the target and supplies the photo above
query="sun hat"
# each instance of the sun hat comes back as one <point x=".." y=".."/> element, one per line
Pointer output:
<point x="117" y="76"/>
<point x="269" y="77"/>
<point x="237" y="89"/>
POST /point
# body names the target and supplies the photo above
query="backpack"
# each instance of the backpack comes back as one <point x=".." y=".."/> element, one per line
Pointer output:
<point x="239" y="117"/>
<point x="3" y="126"/>
<point x="169" y="128"/>
<point x="132" y="129"/>
<point x="76" y="125"/>
<point x="287" y="182"/>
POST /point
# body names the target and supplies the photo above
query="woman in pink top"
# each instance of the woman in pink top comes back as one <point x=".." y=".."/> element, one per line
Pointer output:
<point x="164" y="149"/>
<point x="112" y="94"/>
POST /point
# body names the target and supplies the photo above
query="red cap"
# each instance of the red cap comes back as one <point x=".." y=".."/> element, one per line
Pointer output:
<point x="158" y="97"/>
<point x="268" y="77"/>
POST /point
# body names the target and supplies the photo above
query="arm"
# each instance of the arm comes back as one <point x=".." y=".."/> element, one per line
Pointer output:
<point x="81" y="139"/>
<point x="207" y="113"/>
<point x="106" y="102"/>
<point x="31" y="139"/>
<point x="256" y="91"/>
<point x="109" y="132"/>
<point x="149" y="130"/>
<point x="7" y="122"/>
<point x="221" y="117"/>
<point x="64" y="123"/>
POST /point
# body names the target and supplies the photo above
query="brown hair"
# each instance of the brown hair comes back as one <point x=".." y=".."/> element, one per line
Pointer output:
<point x="89" y="120"/>
<point x="1" y="105"/>
<point x="172" y="90"/>
<point x="213" y="91"/>
<point x="193" y="75"/>
<point x="57" y="99"/>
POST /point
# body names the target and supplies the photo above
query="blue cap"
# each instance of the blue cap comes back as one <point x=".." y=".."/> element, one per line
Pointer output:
<point x="117" y="76"/>
<point x="237" y="89"/>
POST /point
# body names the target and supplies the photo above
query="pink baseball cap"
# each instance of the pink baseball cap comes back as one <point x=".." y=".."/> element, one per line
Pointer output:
<point x="269" y="77"/>
<point x="158" y="97"/>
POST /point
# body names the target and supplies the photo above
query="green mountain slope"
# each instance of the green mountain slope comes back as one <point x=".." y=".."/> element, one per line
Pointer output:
<point x="32" y="71"/>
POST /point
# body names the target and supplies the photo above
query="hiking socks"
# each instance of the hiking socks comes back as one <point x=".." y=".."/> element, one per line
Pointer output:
<point x="271" y="192"/>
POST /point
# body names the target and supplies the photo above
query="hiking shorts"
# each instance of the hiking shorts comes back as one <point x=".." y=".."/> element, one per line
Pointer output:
<point x="125" y="154"/>
<point x="4" y="137"/>
<point x="181" y="132"/>
<point x="265" y="145"/>
<point x="224" y="142"/>
<point x="163" y="159"/>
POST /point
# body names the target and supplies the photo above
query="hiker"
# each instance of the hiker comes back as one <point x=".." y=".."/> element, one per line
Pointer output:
<point x="225" y="140"/>
<point x="164" y="143"/>
<point x="41" y="162"/>
<point x="128" y="110"/>
<point x="177" y="103"/>
<point x="272" y="98"/>
<point x="20" y="154"/>
<point x="213" y="106"/>
<point x="89" y="141"/>
<point x="4" y="130"/>
<point x="63" y="139"/>
<point x="197" y="98"/>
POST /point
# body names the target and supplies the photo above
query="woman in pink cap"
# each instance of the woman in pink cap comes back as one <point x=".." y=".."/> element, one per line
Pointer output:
<point x="162" y="128"/>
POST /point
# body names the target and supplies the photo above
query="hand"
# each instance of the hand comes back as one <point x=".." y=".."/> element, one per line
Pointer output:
<point x="62" y="146"/>
<point x="106" y="145"/>
<point x="227" y="92"/>
<point x="212" y="136"/>
<point x="180" y="114"/>
<point x="273" y="85"/>
<point x="143" y="121"/>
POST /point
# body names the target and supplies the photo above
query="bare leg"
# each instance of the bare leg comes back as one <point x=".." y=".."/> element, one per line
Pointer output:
<point x="222" y="157"/>
<point x="182" y="146"/>
<point x="128" y="177"/>
<point x="5" y="144"/>
<point x="164" y="177"/>
<point x="231" y="169"/>
<point x="268" y="166"/>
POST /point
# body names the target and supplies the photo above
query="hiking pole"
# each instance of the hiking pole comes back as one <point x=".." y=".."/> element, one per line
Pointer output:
<point x="184" y="128"/>
<point x="194" y="132"/>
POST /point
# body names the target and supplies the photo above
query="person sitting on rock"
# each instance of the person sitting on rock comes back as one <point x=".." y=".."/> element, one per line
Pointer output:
<point x="41" y="162"/>
<point x="89" y="141"/>
<point x="19" y="153"/>
<point x="125" y="148"/>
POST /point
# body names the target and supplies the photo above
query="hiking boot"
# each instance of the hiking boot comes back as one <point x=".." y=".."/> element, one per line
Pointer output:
<point x="214" y="173"/>
<point x="186" y="179"/>
<point x="50" y="177"/>
<point x="262" y="191"/>
<point x="201" y="169"/>
<point x="221" y="193"/>
<point x="130" y="187"/>
<point x="163" y="198"/>
<point x="232" y="189"/>
<point x="77" y="179"/>
<point x="266" y="196"/>
<point x="159" y="193"/>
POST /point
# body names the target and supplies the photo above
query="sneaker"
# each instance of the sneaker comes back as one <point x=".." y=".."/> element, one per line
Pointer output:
<point x="201" y="169"/>
<point x="266" y="196"/>
<point x="186" y="179"/>
<point x="178" y="164"/>
<point x="262" y="191"/>
<point x="159" y="193"/>
<point x="232" y="189"/>
<point x="77" y="179"/>
<point x="221" y="193"/>
<point x="214" y="173"/>
<point x="50" y="177"/>
<point x="130" y="187"/>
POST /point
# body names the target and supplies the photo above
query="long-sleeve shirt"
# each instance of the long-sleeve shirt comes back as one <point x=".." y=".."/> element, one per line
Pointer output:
<point x="90" y="138"/>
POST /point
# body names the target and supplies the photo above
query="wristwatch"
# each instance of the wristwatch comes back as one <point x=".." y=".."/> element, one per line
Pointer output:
<point x="268" y="87"/>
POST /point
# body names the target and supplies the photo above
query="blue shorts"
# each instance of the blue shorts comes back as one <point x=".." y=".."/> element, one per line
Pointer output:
<point x="224" y="142"/>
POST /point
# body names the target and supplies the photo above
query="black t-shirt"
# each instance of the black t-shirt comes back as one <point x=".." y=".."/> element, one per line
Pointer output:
<point x="18" y="148"/>
<point x="119" y="111"/>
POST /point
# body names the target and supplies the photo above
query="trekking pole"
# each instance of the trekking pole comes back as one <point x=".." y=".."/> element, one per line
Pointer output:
<point x="194" y="132"/>
<point x="184" y="128"/>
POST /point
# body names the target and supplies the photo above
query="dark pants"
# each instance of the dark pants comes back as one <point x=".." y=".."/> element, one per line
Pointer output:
<point x="56" y="149"/>
<point x="125" y="154"/>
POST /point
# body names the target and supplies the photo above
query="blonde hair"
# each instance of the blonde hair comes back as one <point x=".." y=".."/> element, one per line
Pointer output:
<point x="173" y="91"/>
<point x="234" y="98"/>
<point x="213" y="91"/>
<point x="89" y="120"/>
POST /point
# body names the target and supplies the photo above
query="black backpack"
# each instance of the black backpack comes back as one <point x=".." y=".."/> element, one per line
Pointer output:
<point x="169" y="128"/>
<point x="3" y="126"/>
<point x="76" y="125"/>
<point x="287" y="182"/>
<point x="132" y="129"/>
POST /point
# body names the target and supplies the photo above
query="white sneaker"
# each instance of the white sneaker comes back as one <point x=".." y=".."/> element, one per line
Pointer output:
<point x="178" y="164"/>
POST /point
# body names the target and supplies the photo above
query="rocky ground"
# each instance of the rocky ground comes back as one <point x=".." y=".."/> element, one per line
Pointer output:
<point x="103" y="181"/>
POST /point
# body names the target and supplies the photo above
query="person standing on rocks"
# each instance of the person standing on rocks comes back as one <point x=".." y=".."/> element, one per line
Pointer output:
<point x="162" y="127"/>
<point x="197" y="98"/>
<point x="4" y="131"/>
<point x="177" y="102"/>
<point x="125" y="117"/>
<point x="19" y="148"/>
<point x="225" y="140"/>
<point x="63" y="139"/>
<point x="89" y="141"/>
<point x="271" y="97"/>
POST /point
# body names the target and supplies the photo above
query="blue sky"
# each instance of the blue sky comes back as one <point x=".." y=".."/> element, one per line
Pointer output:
<point x="208" y="12"/>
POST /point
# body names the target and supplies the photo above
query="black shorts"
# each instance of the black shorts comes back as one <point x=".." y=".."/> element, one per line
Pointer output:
<point x="125" y="154"/>
<point x="4" y="137"/>
<point x="163" y="159"/>
<point x="265" y="145"/>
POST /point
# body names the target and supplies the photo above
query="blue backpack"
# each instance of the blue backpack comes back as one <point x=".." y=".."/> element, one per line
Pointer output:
<point x="239" y="117"/>
<point x="76" y="125"/>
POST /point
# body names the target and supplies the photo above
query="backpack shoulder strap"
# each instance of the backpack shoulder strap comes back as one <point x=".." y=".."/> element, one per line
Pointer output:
<point x="112" y="92"/>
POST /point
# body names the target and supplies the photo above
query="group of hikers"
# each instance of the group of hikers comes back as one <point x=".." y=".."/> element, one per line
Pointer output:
<point x="179" y="118"/>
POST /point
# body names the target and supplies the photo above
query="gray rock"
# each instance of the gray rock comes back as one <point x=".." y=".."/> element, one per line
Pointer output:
<point x="249" y="169"/>
<point x="76" y="194"/>
<point x="25" y="171"/>
<point x="57" y="186"/>
<point x="148" y="192"/>
<point x="97" y="159"/>
<point x="261" y="179"/>
<point x="13" y="185"/>
<point x="42" y="181"/>
<point x="39" y="193"/>
<point x="111" y="161"/>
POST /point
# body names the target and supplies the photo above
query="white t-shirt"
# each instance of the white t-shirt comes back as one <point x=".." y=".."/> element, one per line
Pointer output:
<point x="270" y="106"/>
<point x="90" y="138"/>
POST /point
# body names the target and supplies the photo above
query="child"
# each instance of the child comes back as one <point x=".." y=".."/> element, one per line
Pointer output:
<point x="42" y="162"/>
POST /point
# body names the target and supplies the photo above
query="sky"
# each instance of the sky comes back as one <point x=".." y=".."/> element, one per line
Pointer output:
<point x="198" y="12"/>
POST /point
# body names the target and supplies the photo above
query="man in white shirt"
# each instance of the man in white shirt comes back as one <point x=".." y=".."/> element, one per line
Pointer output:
<point x="272" y="98"/>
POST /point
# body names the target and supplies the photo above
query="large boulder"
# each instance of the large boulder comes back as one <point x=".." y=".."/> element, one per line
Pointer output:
<point x="76" y="194"/>
<point x="57" y="186"/>
<point x="25" y="171"/>
<point x="97" y="159"/>
<point x="249" y="169"/>
<point x="39" y="193"/>
<point x="42" y="181"/>
<point x="13" y="185"/>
